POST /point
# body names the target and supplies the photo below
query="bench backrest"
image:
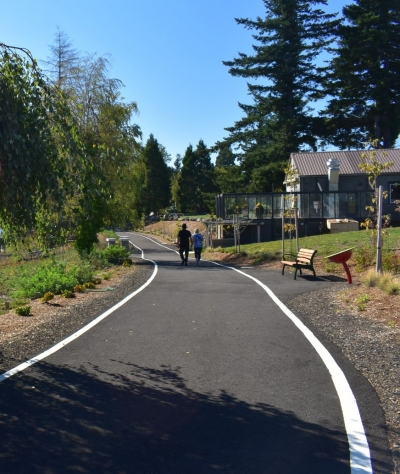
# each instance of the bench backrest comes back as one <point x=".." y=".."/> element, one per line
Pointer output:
<point x="305" y="256"/>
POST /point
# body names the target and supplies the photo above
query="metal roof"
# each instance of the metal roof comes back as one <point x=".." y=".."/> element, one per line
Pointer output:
<point x="315" y="164"/>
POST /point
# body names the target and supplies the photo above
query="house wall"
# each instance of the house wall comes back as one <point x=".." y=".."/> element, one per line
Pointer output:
<point x="314" y="184"/>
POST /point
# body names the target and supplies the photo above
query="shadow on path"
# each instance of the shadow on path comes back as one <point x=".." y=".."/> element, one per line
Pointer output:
<point x="59" y="420"/>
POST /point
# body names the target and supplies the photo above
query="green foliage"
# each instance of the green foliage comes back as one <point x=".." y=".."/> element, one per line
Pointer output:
<point x="67" y="294"/>
<point x="362" y="302"/>
<point x="50" y="276"/>
<point x="391" y="262"/>
<point x="107" y="276"/>
<point x="79" y="289"/>
<point x="89" y="285"/>
<point x="364" y="257"/>
<point x="116" y="254"/>
<point x="95" y="260"/>
<point x="23" y="310"/>
<point x="151" y="179"/>
<point x="364" y="82"/>
<point x="231" y="179"/>
<point x="42" y="159"/>
<point x="109" y="234"/>
<point x="196" y="180"/>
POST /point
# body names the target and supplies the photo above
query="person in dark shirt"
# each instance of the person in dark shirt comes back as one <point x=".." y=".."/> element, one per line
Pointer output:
<point x="185" y="239"/>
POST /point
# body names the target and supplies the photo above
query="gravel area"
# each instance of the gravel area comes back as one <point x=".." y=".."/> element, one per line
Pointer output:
<point x="371" y="345"/>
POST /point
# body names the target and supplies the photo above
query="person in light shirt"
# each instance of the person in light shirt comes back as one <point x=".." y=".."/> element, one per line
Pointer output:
<point x="198" y="245"/>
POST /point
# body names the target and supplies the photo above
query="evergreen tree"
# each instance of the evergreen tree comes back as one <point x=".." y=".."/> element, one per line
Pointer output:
<point x="186" y="182"/>
<point x="365" y="84"/>
<point x="196" y="181"/>
<point x="280" y="121"/>
<point x="230" y="179"/>
<point x="268" y="178"/>
<point x="176" y="171"/>
<point x="156" y="187"/>
<point x="225" y="157"/>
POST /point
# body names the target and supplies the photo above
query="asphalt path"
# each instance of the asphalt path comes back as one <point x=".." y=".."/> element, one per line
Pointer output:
<point x="203" y="371"/>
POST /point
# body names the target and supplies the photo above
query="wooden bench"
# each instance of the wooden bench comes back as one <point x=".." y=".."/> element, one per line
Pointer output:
<point x="302" y="261"/>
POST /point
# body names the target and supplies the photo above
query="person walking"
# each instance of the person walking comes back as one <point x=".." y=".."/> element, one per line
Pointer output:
<point x="185" y="239"/>
<point x="198" y="245"/>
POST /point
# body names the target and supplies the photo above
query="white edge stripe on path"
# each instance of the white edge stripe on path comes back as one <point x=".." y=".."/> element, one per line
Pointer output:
<point x="81" y="331"/>
<point x="360" y="456"/>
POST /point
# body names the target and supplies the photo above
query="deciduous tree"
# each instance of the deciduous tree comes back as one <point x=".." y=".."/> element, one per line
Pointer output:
<point x="42" y="160"/>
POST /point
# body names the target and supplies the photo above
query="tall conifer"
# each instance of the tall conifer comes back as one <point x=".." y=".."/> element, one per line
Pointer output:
<point x="366" y="75"/>
<point x="280" y="120"/>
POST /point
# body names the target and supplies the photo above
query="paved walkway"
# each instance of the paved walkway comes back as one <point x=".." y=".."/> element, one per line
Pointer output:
<point x="204" y="371"/>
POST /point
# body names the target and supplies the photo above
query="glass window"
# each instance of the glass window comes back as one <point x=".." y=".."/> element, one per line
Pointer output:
<point x="315" y="205"/>
<point x="394" y="190"/>
<point x="230" y="205"/>
<point x="330" y="206"/>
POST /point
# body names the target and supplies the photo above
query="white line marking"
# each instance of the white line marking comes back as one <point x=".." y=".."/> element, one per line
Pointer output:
<point x="81" y="331"/>
<point x="360" y="456"/>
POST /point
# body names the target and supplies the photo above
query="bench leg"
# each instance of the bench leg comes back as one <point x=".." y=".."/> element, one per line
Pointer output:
<point x="315" y="275"/>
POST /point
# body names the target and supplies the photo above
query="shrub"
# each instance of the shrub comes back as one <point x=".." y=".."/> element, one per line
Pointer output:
<point x="67" y="294"/>
<point x="79" y="289"/>
<point x="392" y="288"/>
<point x="23" y="310"/>
<point x="364" y="257"/>
<point x="47" y="297"/>
<point x="389" y="284"/>
<point x="89" y="285"/>
<point x="384" y="280"/>
<point x="127" y="262"/>
<point x="116" y="254"/>
<point x="53" y="277"/>
<point x="391" y="262"/>
<point x="371" y="278"/>
<point x="362" y="302"/>
<point x="96" y="258"/>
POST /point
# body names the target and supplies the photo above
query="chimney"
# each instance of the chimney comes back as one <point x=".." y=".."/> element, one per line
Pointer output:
<point x="333" y="174"/>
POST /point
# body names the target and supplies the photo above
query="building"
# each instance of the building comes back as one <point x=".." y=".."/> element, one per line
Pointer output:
<point x="324" y="186"/>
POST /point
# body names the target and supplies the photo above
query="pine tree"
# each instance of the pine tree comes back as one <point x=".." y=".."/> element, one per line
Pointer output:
<point x="280" y="121"/>
<point x="366" y="75"/>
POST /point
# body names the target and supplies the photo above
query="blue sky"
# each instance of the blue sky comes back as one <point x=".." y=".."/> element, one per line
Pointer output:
<point x="168" y="54"/>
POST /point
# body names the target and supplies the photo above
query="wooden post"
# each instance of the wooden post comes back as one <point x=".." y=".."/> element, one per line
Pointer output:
<point x="296" y="224"/>
<point x="379" y="236"/>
